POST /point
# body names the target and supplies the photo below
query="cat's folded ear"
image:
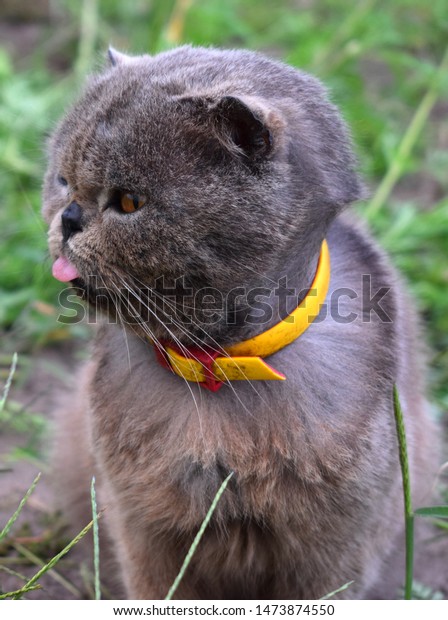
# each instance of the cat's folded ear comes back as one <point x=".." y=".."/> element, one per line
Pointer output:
<point x="245" y="126"/>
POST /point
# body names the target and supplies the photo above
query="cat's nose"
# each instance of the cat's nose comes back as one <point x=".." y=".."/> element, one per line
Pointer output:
<point x="71" y="220"/>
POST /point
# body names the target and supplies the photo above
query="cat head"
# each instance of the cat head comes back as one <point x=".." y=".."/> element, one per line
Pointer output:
<point x="192" y="170"/>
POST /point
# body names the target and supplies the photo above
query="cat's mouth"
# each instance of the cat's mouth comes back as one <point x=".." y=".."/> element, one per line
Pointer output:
<point x="64" y="271"/>
<point x="101" y="300"/>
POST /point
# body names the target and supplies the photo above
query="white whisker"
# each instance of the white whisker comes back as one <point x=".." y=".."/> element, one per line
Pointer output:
<point x="122" y="325"/>
<point x="261" y="275"/>
<point x="153" y="338"/>
<point x="195" y="341"/>
<point x="198" y="343"/>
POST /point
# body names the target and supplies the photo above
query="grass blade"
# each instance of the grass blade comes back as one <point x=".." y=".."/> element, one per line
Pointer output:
<point x="18" y="593"/>
<point x="96" y="541"/>
<point x="87" y="37"/>
<point x="443" y="525"/>
<point x="341" y="589"/>
<point x="8" y="382"/>
<point x="14" y="517"/>
<point x="197" y="538"/>
<point x="407" y="142"/>
<point x="13" y="573"/>
<point x="29" y="555"/>
<point x="433" y="511"/>
<point x="175" y="27"/>
<point x="56" y="559"/>
<point x="408" y="513"/>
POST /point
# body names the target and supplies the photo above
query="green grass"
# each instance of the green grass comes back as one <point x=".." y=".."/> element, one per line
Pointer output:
<point x="432" y="512"/>
<point x="15" y="516"/>
<point x="33" y="582"/>
<point x="18" y="418"/>
<point x="96" y="542"/>
<point x="197" y="538"/>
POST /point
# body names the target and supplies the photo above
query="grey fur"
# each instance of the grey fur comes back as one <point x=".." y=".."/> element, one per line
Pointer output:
<point x="246" y="167"/>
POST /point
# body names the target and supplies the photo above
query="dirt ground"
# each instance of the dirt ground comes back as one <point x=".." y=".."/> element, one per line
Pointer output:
<point x="41" y="529"/>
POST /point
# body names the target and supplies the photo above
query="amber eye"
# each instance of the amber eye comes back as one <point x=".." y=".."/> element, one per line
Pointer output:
<point x="131" y="202"/>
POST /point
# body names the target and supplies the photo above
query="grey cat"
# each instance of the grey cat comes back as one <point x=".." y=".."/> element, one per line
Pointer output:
<point x="199" y="174"/>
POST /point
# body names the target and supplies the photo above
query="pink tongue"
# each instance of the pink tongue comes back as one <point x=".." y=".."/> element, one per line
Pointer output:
<point x="64" y="271"/>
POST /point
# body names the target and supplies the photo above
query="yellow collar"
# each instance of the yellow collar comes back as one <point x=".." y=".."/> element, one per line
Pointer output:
<point x="243" y="361"/>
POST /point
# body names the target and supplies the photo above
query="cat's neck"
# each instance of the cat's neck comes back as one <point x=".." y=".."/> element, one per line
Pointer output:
<point x="279" y="293"/>
<point x="270" y="297"/>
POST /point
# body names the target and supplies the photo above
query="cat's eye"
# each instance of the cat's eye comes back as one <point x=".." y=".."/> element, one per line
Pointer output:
<point x="131" y="202"/>
<point x="62" y="181"/>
